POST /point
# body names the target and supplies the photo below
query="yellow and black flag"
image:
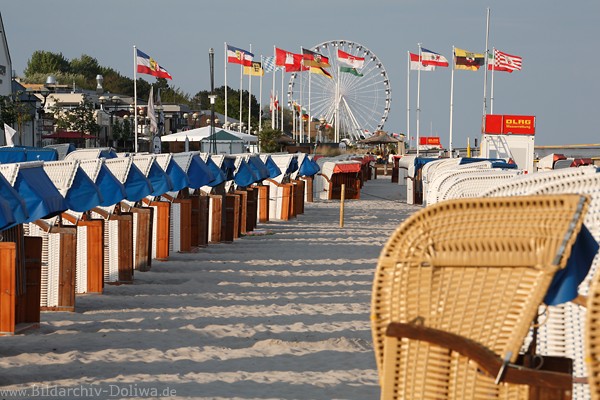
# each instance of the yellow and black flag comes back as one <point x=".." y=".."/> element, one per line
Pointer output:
<point x="254" y="70"/>
<point x="467" y="60"/>
<point x="314" y="59"/>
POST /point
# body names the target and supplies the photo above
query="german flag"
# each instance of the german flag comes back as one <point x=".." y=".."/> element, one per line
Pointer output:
<point x="314" y="59"/>
<point x="320" y="71"/>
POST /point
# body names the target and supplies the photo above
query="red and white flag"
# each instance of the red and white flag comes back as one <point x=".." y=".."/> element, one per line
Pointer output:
<point x="147" y="65"/>
<point x="505" y="62"/>
<point x="429" y="57"/>
<point x="350" y="60"/>
<point x="416" y="64"/>
<point x="239" y="56"/>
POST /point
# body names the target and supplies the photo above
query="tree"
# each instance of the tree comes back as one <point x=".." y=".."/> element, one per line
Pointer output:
<point x="268" y="140"/>
<point x="46" y="62"/>
<point x="82" y="118"/>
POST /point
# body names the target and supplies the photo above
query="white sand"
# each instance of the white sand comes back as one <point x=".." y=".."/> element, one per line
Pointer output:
<point x="280" y="316"/>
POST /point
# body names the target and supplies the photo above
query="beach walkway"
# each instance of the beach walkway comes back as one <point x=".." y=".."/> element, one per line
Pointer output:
<point x="284" y="315"/>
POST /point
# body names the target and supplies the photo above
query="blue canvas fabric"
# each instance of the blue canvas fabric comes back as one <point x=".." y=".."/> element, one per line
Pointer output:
<point x="6" y="216"/>
<point x="308" y="167"/>
<point x="563" y="287"/>
<point x="161" y="183"/>
<point x="201" y="174"/>
<point x="18" y="209"/>
<point x="84" y="194"/>
<point x="218" y="174"/>
<point x="420" y="161"/>
<point x="228" y="167"/>
<point x="179" y="178"/>
<point x="137" y="186"/>
<point x="41" y="197"/>
<point x="25" y="153"/>
<point x="112" y="190"/>
<point x="496" y="162"/>
<point x="293" y="166"/>
<point x="274" y="170"/>
<point x="259" y="167"/>
<point x="244" y="175"/>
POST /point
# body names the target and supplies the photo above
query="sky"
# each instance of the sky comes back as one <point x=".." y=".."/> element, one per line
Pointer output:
<point x="558" y="41"/>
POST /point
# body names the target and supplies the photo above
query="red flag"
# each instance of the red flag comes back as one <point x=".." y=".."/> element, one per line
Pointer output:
<point x="147" y="65"/>
<point x="291" y="61"/>
<point x="505" y="62"/>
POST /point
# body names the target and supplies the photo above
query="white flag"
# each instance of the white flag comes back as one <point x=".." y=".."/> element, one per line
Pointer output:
<point x="151" y="115"/>
<point x="9" y="133"/>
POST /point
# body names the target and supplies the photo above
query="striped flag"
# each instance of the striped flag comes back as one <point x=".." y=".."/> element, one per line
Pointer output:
<point x="239" y="56"/>
<point x="148" y="65"/>
<point x="505" y="62"/>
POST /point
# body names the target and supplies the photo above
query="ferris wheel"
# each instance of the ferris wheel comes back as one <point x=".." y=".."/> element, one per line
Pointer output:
<point x="353" y="105"/>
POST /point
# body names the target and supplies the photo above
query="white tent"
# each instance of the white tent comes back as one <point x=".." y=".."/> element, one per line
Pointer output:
<point x="196" y="135"/>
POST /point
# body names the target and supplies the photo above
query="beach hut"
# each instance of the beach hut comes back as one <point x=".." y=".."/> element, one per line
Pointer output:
<point x="159" y="230"/>
<point x="180" y="239"/>
<point x="198" y="175"/>
<point x="334" y="174"/>
<point x="280" y="187"/>
<point x="44" y="201"/>
<point x="90" y="231"/>
<point x="20" y="265"/>
<point x="118" y="221"/>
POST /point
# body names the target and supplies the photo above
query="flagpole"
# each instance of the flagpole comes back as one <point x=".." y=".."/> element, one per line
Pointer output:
<point x="281" y="126"/>
<point x="135" y="109"/>
<point x="249" y="92"/>
<point x="337" y="106"/>
<point x="451" y="102"/>
<point x="301" y="116"/>
<point x="262" y="63"/>
<point x="273" y="92"/>
<point x="487" y="34"/>
<point x="419" y="100"/>
<point x="408" y="99"/>
<point x="309" y="111"/>
<point x="226" y="124"/>
<point x="492" y="88"/>
<point x="240" y="119"/>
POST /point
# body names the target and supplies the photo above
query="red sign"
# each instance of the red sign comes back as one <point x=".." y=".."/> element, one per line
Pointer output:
<point x="509" y="124"/>
<point x="430" y="140"/>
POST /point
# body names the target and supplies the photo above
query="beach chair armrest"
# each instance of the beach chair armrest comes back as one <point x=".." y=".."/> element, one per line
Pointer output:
<point x="487" y="360"/>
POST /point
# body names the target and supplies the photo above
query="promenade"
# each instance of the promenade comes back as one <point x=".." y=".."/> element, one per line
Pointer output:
<point x="284" y="315"/>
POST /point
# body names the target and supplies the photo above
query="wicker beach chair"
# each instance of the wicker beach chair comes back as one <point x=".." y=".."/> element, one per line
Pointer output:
<point x="563" y="327"/>
<point x="457" y="287"/>
<point x="592" y="338"/>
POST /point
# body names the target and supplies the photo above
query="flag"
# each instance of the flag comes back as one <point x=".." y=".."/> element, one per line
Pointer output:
<point x="320" y="71"/>
<point x="239" y="56"/>
<point x="151" y="112"/>
<point x="416" y="64"/>
<point x="350" y="60"/>
<point x="500" y="61"/>
<point x="467" y="60"/>
<point x="148" y="65"/>
<point x="290" y="61"/>
<point x="429" y="57"/>
<point x="254" y="70"/>
<point x="161" y="114"/>
<point x="274" y="103"/>
<point x="313" y="59"/>
<point x="9" y="132"/>
<point x="350" y="70"/>
<point x="268" y="64"/>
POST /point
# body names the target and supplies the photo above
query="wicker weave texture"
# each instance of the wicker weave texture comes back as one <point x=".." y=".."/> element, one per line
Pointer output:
<point x="592" y="338"/>
<point x="478" y="268"/>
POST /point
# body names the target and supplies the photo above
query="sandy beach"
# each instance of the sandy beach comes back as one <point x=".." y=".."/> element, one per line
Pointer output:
<point x="284" y="315"/>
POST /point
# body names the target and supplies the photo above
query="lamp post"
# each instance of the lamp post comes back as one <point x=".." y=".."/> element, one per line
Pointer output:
<point x="212" y="97"/>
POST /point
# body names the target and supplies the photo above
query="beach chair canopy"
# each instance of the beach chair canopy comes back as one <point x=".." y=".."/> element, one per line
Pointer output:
<point x="495" y="162"/>
<point x="79" y="191"/>
<point x="274" y="170"/>
<point x="244" y="175"/>
<point x="41" y="197"/>
<point x="179" y="179"/>
<point x="228" y="167"/>
<point x="100" y="152"/>
<point x="111" y="188"/>
<point x="137" y="186"/>
<point x="259" y="167"/>
<point x="24" y="154"/>
<point x="17" y="210"/>
<point x="308" y="167"/>
<point x="218" y="175"/>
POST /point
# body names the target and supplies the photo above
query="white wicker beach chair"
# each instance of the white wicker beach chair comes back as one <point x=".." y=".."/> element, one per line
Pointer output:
<point x="562" y="330"/>
<point x="473" y="182"/>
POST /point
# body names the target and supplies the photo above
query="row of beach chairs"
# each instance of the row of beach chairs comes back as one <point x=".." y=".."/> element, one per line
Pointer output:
<point x="492" y="289"/>
<point x="70" y="226"/>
